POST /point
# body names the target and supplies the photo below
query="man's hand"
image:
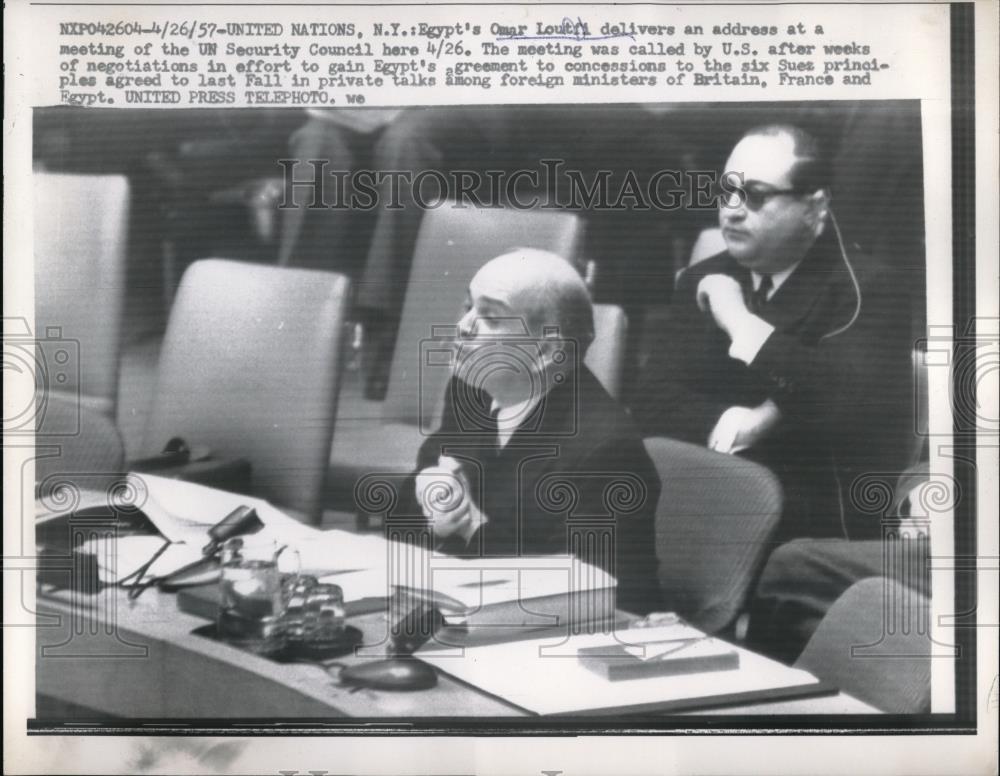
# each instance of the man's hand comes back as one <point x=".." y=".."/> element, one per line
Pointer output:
<point x="445" y="497"/>
<point x="722" y="296"/>
<point x="741" y="427"/>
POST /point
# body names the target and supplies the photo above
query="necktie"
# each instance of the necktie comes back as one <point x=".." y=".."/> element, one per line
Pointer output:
<point x="759" y="297"/>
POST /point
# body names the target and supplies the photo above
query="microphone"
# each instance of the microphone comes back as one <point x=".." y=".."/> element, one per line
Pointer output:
<point x="242" y="520"/>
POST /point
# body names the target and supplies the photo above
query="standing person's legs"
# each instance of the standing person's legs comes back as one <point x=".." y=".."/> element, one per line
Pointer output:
<point x="320" y="237"/>
<point x="419" y="140"/>
<point x="637" y="244"/>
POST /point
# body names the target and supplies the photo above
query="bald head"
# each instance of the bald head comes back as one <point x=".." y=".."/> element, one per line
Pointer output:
<point x="541" y="288"/>
<point x="524" y="293"/>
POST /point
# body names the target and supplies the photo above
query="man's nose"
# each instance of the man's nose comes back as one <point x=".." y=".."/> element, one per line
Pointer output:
<point x="733" y="212"/>
<point x="466" y="324"/>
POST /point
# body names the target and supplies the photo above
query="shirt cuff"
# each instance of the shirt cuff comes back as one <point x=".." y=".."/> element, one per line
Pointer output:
<point x="750" y="339"/>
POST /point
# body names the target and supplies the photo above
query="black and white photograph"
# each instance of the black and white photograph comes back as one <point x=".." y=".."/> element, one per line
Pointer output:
<point x="517" y="418"/>
<point x="671" y="367"/>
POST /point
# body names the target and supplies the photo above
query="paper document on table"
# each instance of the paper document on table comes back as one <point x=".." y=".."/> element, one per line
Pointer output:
<point x="545" y="675"/>
<point x="365" y="566"/>
<point x="340" y="551"/>
<point x="356" y="585"/>
<point x="180" y="513"/>
<point x="470" y="584"/>
<point x="83" y="500"/>
<point x="369" y="565"/>
<point x="184" y="511"/>
<point x="120" y="557"/>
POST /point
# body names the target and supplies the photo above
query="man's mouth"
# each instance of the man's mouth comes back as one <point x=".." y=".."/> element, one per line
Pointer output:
<point x="729" y="232"/>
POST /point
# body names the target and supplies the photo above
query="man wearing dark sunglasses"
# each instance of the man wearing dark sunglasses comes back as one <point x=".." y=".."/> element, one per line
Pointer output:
<point x="783" y="349"/>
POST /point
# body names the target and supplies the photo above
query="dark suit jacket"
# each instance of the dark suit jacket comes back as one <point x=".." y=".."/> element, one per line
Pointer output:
<point x="574" y="472"/>
<point x="845" y="399"/>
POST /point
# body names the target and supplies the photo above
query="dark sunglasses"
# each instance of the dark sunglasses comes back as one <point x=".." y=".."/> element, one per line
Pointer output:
<point x="751" y="195"/>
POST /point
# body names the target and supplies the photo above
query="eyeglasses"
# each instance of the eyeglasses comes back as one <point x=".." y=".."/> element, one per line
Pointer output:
<point x="751" y="195"/>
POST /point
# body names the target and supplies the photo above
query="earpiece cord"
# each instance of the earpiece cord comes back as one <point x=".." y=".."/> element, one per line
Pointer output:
<point x="840" y="500"/>
<point x="834" y="333"/>
<point x="854" y="281"/>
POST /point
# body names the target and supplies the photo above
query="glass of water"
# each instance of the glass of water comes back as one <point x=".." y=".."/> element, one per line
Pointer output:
<point x="252" y="603"/>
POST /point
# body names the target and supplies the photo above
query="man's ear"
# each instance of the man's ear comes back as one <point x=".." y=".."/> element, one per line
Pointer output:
<point x="552" y="349"/>
<point x="819" y="211"/>
<point x="547" y="345"/>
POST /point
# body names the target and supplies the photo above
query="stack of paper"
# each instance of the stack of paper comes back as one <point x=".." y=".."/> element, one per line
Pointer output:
<point x="490" y="600"/>
<point x="470" y="584"/>
<point x="546" y="675"/>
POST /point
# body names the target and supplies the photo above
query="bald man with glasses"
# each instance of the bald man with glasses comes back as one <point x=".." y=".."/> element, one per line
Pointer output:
<point x="533" y="456"/>
<point x="786" y="348"/>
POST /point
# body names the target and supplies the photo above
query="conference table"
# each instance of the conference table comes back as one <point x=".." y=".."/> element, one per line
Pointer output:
<point x="146" y="659"/>
<point x="102" y="654"/>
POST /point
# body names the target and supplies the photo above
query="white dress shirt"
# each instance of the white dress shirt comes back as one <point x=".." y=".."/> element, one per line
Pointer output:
<point x="747" y="343"/>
